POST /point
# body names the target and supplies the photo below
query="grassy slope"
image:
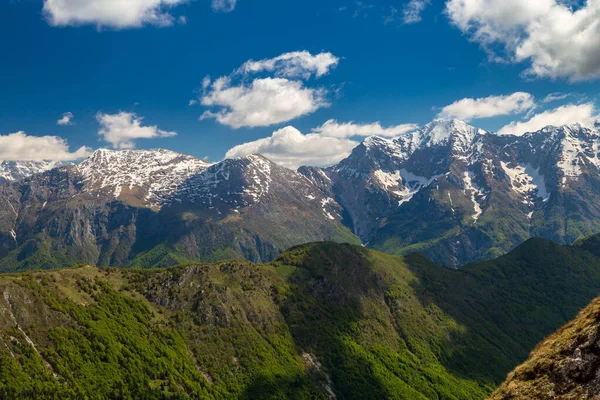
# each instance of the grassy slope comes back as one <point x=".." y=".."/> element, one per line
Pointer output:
<point x="323" y="315"/>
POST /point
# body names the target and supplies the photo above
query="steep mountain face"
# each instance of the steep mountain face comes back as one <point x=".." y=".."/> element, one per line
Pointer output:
<point x="322" y="321"/>
<point x="458" y="194"/>
<point x="564" y="366"/>
<point x="161" y="208"/>
<point x="11" y="171"/>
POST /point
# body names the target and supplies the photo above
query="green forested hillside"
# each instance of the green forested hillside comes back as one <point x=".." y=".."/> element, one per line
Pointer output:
<point x="324" y="319"/>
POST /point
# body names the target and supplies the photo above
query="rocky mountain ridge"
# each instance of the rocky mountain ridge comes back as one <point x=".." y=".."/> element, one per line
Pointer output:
<point x="451" y="191"/>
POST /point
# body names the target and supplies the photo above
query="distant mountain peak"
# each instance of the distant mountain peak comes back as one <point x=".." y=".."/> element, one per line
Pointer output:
<point x="151" y="175"/>
<point x="11" y="171"/>
<point x="442" y="131"/>
<point x="254" y="159"/>
<point x="377" y="141"/>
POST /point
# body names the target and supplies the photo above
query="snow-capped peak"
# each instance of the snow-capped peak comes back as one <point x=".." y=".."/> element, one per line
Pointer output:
<point x="377" y="141"/>
<point x="149" y="174"/>
<point x="442" y="131"/>
<point x="17" y="170"/>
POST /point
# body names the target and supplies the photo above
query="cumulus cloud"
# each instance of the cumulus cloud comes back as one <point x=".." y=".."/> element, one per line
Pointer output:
<point x="492" y="106"/>
<point x="332" y="128"/>
<point x="564" y="115"/>
<point x="223" y="5"/>
<point x="22" y="147"/>
<point x="245" y="100"/>
<point x="122" y="129"/>
<point x="264" y="102"/>
<point x="291" y="148"/>
<point x="66" y="119"/>
<point x="558" y="40"/>
<point x="411" y="14"/>
<point x="118" y="14"/>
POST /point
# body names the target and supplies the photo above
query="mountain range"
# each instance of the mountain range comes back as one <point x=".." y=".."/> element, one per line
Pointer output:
<point x="450" y="191"/>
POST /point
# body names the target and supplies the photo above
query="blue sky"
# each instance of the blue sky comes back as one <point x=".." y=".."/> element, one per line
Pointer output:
<point x="390" y="69"/>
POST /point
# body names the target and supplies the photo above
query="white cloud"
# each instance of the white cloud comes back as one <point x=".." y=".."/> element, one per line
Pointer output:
<point x="22" y="147"/>
<point x="223" y="5"/>
<point x="66" y="119"/>
<point x="122" y="129"/>
<point x="118" y="14"/>
<point x="411" y="14"/>
<point x="492" y="106"/>
<point x="564" y="115"/>
<point x="332" y="128"/>
<point x="264" y="102"/>
<point x="246" y="101"/>
<point x="557" y="96"/>
<point x="297" y="64"/>
<point x="292" y="149"/>
<point x="558" y="41"/>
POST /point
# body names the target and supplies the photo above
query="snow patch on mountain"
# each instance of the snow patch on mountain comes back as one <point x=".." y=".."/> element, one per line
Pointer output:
<point x="413" y="184"/>
<point x="477" y="194"/>
<point x="387" y="180"/>
<point x="324" y="203"/>
<point x="569" y="164"/>
<point x="527" y="181"/>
